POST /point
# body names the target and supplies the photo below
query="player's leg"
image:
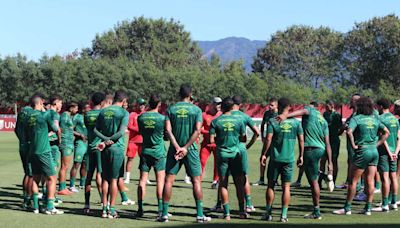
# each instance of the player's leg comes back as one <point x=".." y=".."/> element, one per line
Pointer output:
<point x="272" y="175"/>
<point x="394" y="186"/>
<point x="193" y="169"/>
<point x="312" y="157"/>
<point x="297" y="183"/>
<point x="144" y="167"/>
<point x="67" y="154"/>
<point x="130" y="154"/>
<point x="286" y="172"/>
<point x="35" y="192"/>
<point x="215" y="173"/>
<point x="239" y="177"/>
<point x="205" y="153"/>
<point x="72" y="175"/>
<point x="247" y="190"/>
<point x="159" y="169"/>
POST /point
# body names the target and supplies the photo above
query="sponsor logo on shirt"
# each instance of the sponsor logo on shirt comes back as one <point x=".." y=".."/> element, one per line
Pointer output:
<point x="228" y="126"/>
<point x="286" y="127"/>
<point x="182" y="113"/>
<point x="149" y="124"/>
<point x="108" y="114"/>
<point x="370" y="123"/>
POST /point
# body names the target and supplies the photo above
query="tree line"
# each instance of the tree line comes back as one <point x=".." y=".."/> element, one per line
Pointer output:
<point x="145" y="56"/>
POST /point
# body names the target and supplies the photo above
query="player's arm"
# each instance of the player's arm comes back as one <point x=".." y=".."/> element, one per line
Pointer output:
<point x="340" y="124"/>
<point x="396" y="151"/>
<point x="256" y="133"/>
<point x="262" y="129"/>
<point x="168" y="129"/>
<point x="329" y="154"/>
<point x="384" y="135"/>
<point x="122" y="128"/>
<point x="212" y="133"/>
<point x="301" y="112"/>
<point x="300" y="138"/>
<point x="204" y="131"/>
<point x="194" y="136"/>
<point x="130" y="122"/>
<point x="265" y="149"/>
<point x="97" y="132"/>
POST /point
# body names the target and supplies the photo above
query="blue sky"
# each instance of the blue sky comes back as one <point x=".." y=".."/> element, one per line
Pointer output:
<point x="34" y="27"/>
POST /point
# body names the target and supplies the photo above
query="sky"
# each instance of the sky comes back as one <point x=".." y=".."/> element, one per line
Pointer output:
<point x="37" y="27"/>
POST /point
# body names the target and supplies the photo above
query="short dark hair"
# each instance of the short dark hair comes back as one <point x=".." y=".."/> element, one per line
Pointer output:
<point x="385" y="103"/>
<point x="71" y="104"/>
<point x="283" y="102"/>
<point x="314" y="103"/>
<point x="185" y="90"/>
<point x="237" y="100"/>
<point x="120" y="95"/>
<point x="365" y="106"/>
<point x="98" y="97"/>
<point x="330" y="102"/>
<point x="356" y="94"/>
<point x="54" y="98"/>
<point x="273" y="99"/>
<point x="227" y="104"/>
<point x="33" y="99"/>
<point x="154" y="101"/>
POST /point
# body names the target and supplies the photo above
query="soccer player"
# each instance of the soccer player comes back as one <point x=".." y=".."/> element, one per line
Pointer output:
<point x="110" y="129"/>
<point x="225" y="132"/>
<point x="279" y="146"/>
<point x="272" y="112"/>
<point x="55" y="106"/>
<point x="41" y="156"/>
<point x="388" y="153"/>
<point x="363" y="135"/>
<point x="206" y="147"/>
<point x="20" y="131"/>
<point x="151" y="127"/>
<point x="135" y="139"/>
<point x="335" y="123"/>
<point x="93" y="156"/>
<point x="67" y="145"/>
<point x="183" y="125"/>
<point x="316" y="145"/>
<point x="80" y="150"/>
<point x="248" y="122"/>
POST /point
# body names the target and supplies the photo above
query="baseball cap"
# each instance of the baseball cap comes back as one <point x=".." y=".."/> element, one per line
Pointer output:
<point x="216" y="100"/>
<point x="141" y="101"/>
<point x="397" y="103"/>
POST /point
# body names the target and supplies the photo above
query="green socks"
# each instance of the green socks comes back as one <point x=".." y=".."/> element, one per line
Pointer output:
<point x="82" y="181"/>
<point x="36" y="201"/>
<point x="140" y="204"/>
<point x="347" y="206"/>
<point x="123" y="196"/>
<point x="268" y="209"/>
<point x="378" y="185"/>
<point x="385" y="201"/>
<point x="50" y="204"/>
<point x="226" y="209"/>
<point x="72" y="182"/>
<point x="248" y="200"/>
<point x="284" y="212"/>
<point x="112" y="210"/>
<point x="160" y="205"/>
<point x="199" y="208"/>
<point x="165" y="208"/>
<point x="394" y="198"/>
<point x="368" y="206"/>
<point x="317" y="211"/>
<point x="62" y="186"/>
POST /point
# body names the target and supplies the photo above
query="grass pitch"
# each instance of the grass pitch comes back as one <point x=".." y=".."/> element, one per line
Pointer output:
<point x="182" y="204"/>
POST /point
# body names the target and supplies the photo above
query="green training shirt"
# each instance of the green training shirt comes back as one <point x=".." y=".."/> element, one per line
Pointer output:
<point x="113" y="121"/>
<point x="392" y="124"/>
<point x="334" y="120"/>
<point x="246" y="120"/>
<point x="54" y="116"/>
<point x="227" y="129"/>
<point x="365" y="129"/>
<point x="67" y="130"/>
<point x="79" y="124"/>
<point x="21" y="124"/>
<point x="284" y="139"/>
<point x="314" y="132"/>
<point x="38" y="131"/>
<point x="151" y="127"/>
<point x="184" y="116"/>
<point x="90" y="119"/>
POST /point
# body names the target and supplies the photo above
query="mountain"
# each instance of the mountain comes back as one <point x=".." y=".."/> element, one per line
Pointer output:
<point x="232" y="48"/>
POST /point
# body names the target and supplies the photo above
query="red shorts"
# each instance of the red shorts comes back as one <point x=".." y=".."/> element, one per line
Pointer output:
<point x="133" y="148"/>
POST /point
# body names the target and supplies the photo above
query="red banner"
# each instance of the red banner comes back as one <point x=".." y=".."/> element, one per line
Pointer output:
<point x="7" y="123"/>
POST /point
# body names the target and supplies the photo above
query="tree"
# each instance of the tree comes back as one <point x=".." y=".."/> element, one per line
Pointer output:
<point x="305" y="54"/>
<point x="371" y="52"/>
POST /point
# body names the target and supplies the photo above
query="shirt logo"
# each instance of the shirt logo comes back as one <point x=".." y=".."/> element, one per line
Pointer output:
<point x="182" y="113"/>
<point x="286" y="127"/>
<point x="393" y="122"/>
<point x="32" y="121"/>
<point x="108" y="114"/>
<point x="228" y="126"/>
<point x="369" y="123"/>
<point x="149" y="124"/>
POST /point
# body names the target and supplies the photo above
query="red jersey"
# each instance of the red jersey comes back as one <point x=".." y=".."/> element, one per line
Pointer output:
<point x="133" y="128"/>
<point x="207" y="119"/>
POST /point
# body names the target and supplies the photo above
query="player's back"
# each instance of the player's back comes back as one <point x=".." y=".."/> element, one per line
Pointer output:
<point x="312" y="124"/>
<point x="183" y="117"/>
<point x="151" y="127"/>
<point x="21" y="124"/>
<point x="110" y="121"/>
<point x="38" y="127"/>
<point x="90" y="119"/>
<point x="392" y="124"/>
<point x="79" y="124"/>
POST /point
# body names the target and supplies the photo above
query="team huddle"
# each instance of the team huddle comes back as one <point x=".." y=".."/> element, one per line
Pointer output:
<point x="92" y="138"/>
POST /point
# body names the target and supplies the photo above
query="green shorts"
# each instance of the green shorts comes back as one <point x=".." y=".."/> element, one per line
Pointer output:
<point x="385" y="164"/>
<point x="366" y="156"/>
<point x="191" y="162"/>
<point x="43" y="164"/>
<point x="335" y="146"/>
<point x="233" y="165"/>
<point x="284" y="169"/>
<point x="147" y="161"/>
<point x="312" y="157"/>
<point x="245" y="161"/>
<point x="66" y="150"/>
<point x="93" y="161"/>
<point x="112" y="163"/>
<point x="55" y="152"/>
<point x="25" y="160"/>
<point x="80" y="150"/>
